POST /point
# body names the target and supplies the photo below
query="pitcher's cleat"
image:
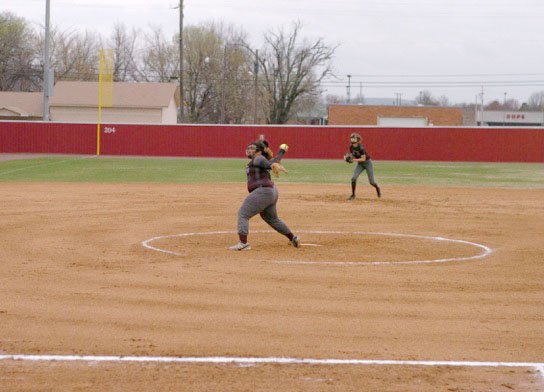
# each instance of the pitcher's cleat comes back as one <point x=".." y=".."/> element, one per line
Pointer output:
<point x="295" y="242"/>
<point x="240" y="246"/>
<point x="352" y="197"/>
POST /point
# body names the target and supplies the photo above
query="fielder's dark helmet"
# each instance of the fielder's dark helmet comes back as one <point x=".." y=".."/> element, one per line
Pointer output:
<point x="355" y="135"/>
<point x="261" y="146"/>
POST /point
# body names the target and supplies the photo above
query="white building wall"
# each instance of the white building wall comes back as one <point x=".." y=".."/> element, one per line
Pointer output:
<point x="509" y="117"/>
<point x="170" y="114"/>
<point x="403" y="121"/>
<point x="109" y="115"/>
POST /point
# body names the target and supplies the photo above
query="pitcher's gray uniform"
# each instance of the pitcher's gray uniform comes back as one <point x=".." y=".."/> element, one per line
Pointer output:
<point x="262" y="197"/>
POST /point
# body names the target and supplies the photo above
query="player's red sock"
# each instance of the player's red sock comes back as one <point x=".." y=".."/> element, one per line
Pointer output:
<point x="243" y="238"/>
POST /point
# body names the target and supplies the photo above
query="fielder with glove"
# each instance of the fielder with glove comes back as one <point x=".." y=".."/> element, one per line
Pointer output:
<point x="358" y="154"/>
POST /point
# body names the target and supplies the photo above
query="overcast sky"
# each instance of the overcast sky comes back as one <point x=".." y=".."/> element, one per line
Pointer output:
<point x="437" y="45"/>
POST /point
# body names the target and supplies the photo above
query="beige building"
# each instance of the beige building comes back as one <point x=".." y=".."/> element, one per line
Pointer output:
<point x="141" y="103"/>
<point x="21" y="106"/>
<point x="395" y="116"/>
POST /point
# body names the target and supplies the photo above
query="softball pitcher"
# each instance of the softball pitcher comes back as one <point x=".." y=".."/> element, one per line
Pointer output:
<point x="364" y="162"/>
<point x="263" y="195"/>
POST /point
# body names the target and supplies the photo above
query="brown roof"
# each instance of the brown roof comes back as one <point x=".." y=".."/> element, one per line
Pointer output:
<point x="125" y="94"/>
<point x="22" y="104"/>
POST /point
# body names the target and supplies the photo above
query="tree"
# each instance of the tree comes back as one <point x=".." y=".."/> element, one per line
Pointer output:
<point x="494" y="105"/>
<point x="203" y="57"/>
<point x="159" y="59"/>
<point x="291" y="68"/>
<point x="536" y="101"/>
<point x="124" y="45"/>
<point x="511" y="104"/>
<point x="425" y="98"/>
<point x="443" y="101"/>
<point x="73" y="55"/>
<point x="18" y="54"/>
<point x="237" y="88"/>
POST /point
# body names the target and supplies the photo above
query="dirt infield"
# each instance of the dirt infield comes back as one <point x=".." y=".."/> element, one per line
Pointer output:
<point x="75" y="279"/>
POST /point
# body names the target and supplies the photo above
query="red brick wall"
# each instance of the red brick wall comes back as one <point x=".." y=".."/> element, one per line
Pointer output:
<point x="368" y="115"/>
<point x="416" y="144"/>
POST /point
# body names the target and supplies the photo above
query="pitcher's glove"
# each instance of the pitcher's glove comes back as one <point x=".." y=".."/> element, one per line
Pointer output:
<point x="277" y="168"/>
<point x="348" y="157"/>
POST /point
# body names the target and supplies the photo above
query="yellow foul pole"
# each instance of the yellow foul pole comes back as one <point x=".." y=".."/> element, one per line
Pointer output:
<point x="105" y="89"/>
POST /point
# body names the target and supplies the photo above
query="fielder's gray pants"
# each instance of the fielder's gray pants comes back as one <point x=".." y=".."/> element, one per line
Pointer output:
<point x="261" y="201"/>
<point x="361" y="166"/>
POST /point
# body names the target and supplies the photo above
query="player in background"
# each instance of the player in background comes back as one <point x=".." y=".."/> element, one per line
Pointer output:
<point x="364" y="162"/>
<point x="263" y="195"/>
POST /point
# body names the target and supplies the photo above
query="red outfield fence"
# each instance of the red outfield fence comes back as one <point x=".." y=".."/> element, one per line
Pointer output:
<point x="316" y="142"/>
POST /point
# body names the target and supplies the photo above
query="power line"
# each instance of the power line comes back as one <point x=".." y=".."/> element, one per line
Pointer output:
<point x="443" y="75"/>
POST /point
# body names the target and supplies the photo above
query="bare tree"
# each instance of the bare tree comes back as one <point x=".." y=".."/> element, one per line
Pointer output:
<point x="426" y="98"/>
<point x="237" y="87"/>
<point x="443" y="101"/>
<point x="291" y="68"/>
<point x="74" y="55"/>
<point x="124" y="45"/>
<point x="18" y="55"/>
<point x="236" y="83"/>
<point x="159" y="58"/>
<point x="536" y="101"/>
<point x="494" y="105"/>
<point x="203" y="56"/>
<point x="511" y="104"/>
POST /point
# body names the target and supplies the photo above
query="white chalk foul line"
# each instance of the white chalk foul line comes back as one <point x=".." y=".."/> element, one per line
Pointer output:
<point x="266" y="360"/>
<point x="485" y="251"/>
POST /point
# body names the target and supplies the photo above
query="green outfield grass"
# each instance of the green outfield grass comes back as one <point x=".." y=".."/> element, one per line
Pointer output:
<point x="205" y="170"/>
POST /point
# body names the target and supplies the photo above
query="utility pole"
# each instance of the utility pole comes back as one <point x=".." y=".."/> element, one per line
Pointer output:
<point x="181" y="98"/>
<point x="46" y="74"/>
<point x="349" y="88"/>
<point x="223" y="81"/>
<point x="482" y="103"/>
<point x="476" y="110"/>
<point x="504" y="111"/>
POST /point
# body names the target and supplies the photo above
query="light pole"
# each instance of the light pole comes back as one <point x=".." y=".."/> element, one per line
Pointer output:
<point x="181" y="98"/>
<point x="46" y="74"/>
